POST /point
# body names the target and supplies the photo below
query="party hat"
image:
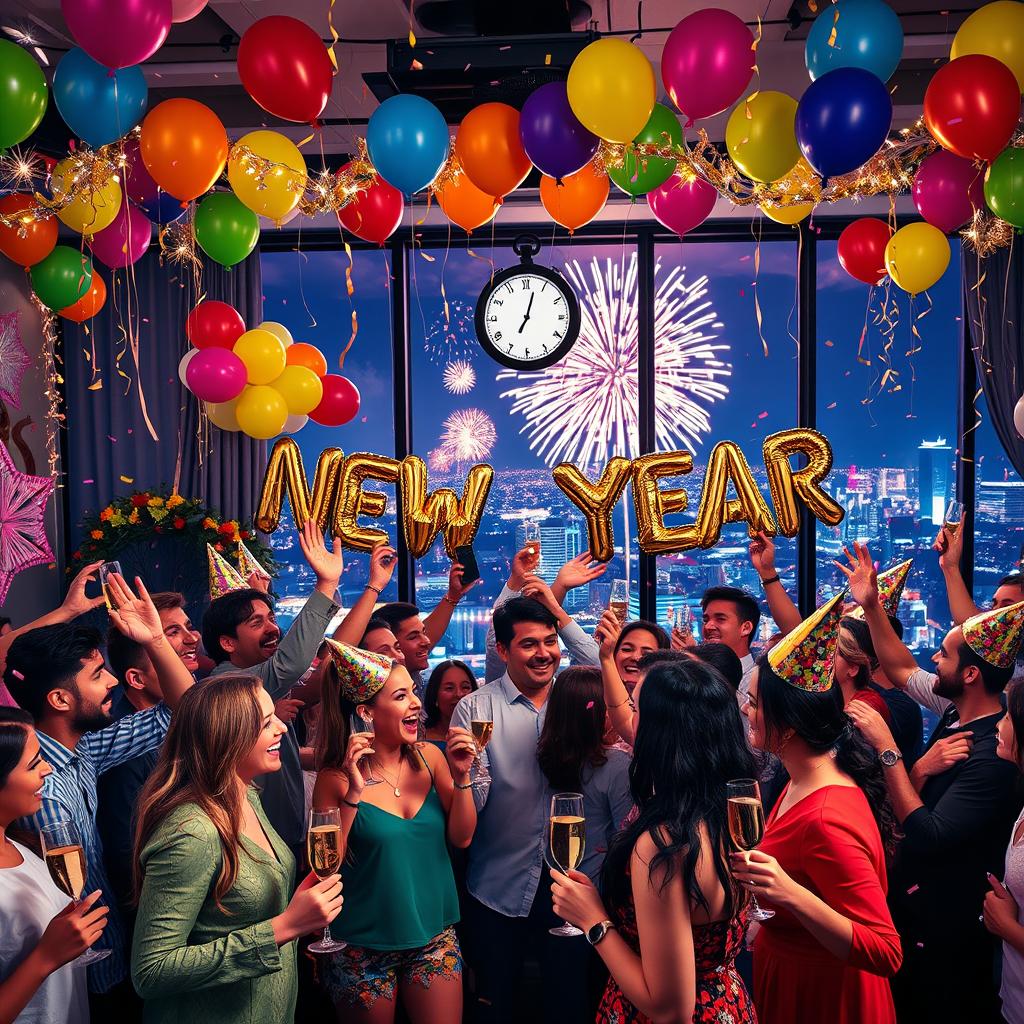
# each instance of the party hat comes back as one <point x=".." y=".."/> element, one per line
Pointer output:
<point x="806" y="656"/>
<point x="995" y="636"/>
<point x="223" y="578"/>
<point x="362" y="673"/>
<point x="249" y="564"/>
<point x="890" y="589"/>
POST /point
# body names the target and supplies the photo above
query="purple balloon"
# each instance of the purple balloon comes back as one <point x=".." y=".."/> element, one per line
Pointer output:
<point x="141" y="189"/>
<point x="126" y="240"/>
<point x="682" y="206"/>
<point x="948" y="189"/>
<point x="707" y="62"/>
<point x="118" y="33"/>
<point x="215" y="375"/>
<point x="552" y="135"/>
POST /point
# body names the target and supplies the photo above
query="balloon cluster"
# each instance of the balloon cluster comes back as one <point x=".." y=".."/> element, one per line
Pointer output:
<point x="260" y="381"/>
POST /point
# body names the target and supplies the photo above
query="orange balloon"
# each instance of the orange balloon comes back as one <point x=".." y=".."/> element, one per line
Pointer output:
<point x="40" y="235"/>
<point x="464" y="204"/>
<point x="490" y="151"/>
<point x="184" y="147"/>
<point x="302" y="354"/>
<point x="579" y="198"/>
<point x="90" y="303"/>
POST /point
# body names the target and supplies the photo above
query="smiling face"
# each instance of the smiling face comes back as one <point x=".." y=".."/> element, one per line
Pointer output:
<point x="637" y="643"/>
<point x="383" y="641"/>
<point x="414" y="642"/>
<point x="1007" y="748"/>
<point x="22" y="793"/>
<point x="722" y="625"/>
<point x="533" y="655"/>
<point x="182" y="637"/>
<point x="89" y="699"/>
<point x="256" y="638"/>
<point x="453" y="687"/>
<point x="950" y="676"/>
<point x="265" y="754"/>
<point x="396" y="710"/>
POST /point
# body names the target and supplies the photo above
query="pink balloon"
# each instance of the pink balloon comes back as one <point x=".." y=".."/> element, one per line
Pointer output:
<point x="682" y="206"/>
<point x="948" y="189"/>
<point x="118" y="33"/>
<point x="126" y="240"/>
<point x="707" y="62"/>
<point x="186" y="10"/>
<point x="215" y="375"/>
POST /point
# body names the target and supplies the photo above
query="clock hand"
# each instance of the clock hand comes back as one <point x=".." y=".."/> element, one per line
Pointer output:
<point x="529" y="306"/>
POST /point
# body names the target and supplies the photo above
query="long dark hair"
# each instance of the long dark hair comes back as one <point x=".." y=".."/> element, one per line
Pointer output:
<point x="573" y="731"/>
<point x="14" y="726"/>
<point x="819" y="720"/>
<point x="431" y="712"/>
<point x="1015" y="709"/>
<point x="689" y="744"/>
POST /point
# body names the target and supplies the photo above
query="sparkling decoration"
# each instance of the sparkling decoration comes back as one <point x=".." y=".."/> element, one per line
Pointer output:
<point x="459" y="377"/>
<point x="440" y="460"/>
<point x="52" y="383"/>
<point x="23" y="540"/>
<point x="469" y="435"/>
<point x="452" y="337"/>
<point x="584" y="409"/>
<point x="14" y="360"/>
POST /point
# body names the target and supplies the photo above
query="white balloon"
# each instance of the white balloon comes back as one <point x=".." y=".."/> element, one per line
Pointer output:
<point x="279" y="331"/>
<point x="1018" y="416"/>
<point x="294" y="424"/>
<point x="183" y="365"/>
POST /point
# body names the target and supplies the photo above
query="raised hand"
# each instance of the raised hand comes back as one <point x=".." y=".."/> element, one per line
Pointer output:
<point x="578" y="571"/>
<point x="861" y="574"/>
<point x="136" y="617"/>
<point x="524" y="562"/>
<point x="383" y="560"/>
<point x="75" y="602"/>
<point x="456" y="590"/>
<point x="258" y="581"/>
<point x="540" y="591"/>
<point x="360" y="745"/>
<point x="460" y="752"/>
<point x="326" y="562"/>
<point x="762" y="555"/>
<point x="607" y="634"/>
<point x="950" y="546"/>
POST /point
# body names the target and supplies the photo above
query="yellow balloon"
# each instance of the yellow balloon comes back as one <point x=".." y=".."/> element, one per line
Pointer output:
<point x="222" y="414"/>
<point x="611" y="89"/>
<point x="95" y="207"/>
<point x="300" y="388"/>
<point x="263" y="354"/>
<point x="917" y="256"/>
<point x="798" y="181"/>
<point x="763" y="146"/>
<point x="997" y="30"/>
<point x="280" y="330"/>
<point x="276" y="192"/>
<point x="262" y="412"/>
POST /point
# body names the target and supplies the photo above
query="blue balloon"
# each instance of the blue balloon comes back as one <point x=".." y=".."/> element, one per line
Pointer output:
<point x="868" y="36"/>
<point x="98" y="105"/>
<point x="407" y="140"/>
<point x="162" y="208"/>
<point x="842" y="120"/>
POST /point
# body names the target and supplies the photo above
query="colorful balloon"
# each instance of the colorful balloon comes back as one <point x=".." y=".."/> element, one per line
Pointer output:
<point x="637" y="175"/>
<point x="862" y="34"/>
<point x="126" y="240"/>
<point x="407" y="141"/>
<point x="707" y="62"/>
<point x="797" y="182"/>
<point x="40" y="235"/>
<point x="224" y="414"/>
<point x="464" y="204"/>
<point x="339" y="404"/>
<point x="186" y="10"/>
<point x="995" y="30"/>
<point x="215" y="375"/>
<point x="184" y="147"/>
<point x="261" y="412"/>
<point x="183" y="364"/>
<point x="916" y="257"/>
<point x="1004" y="187"/>
<point x="302" y="354"/>
<point x="93" y="209"/>
<point x="90" y="303"/>
<point x="760" y="138"/>
<point x="947" y="190"/>
<point x="611" y="89"/>
<point x="277" y="192"/>
<point x="971" y="106"/>
<point x="490" y="151"/>
<point x="138" y="184"/>
<point x="300" y="388"/>
<point x="62" y="278"/>
<point x="118" y="33"/>
<point x="552" y="136"/>
<point x="374" y="213"/>
<point x="23" y="95"/>
<point x="861" y="249"/>
<point x="279" y="330"/>
<point x="264" y="355"/>
<point x="99" y="106"/>
<point x="681" y="205"/>
<point x="214" y="324"/>
<point x="294" y="424"/>
<point x="225" y="230"/>
<point x="577" y="199"/>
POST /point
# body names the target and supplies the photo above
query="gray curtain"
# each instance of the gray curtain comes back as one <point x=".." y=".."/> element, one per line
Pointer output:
<point x="994" y="305"/>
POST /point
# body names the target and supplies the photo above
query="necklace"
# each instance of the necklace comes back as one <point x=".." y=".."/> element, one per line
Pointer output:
<point x="387" y="777"/>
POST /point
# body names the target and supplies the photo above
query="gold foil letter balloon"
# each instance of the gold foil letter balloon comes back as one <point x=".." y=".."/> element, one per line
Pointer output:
<point x="285" y="472"/>
<point x="728" y="464"/>
<point x="353" y="501"/>
<point x="652" y="504"/>
<point x="595" y="500"/>
<point x="786" y="485"/>
<point x="424" y="515"/>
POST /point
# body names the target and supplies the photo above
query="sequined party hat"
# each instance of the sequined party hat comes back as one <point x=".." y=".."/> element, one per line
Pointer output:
<point x="362" y="673"/>
<point x="249" y="564"/>
<point x="890" y="589"/>
<point x="223" y="578"/>
<point x="806" y="656"/>
<point x="995" y="636"/>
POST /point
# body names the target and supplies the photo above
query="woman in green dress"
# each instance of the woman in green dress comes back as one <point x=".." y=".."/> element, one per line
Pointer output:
<point x="217" y="925"/>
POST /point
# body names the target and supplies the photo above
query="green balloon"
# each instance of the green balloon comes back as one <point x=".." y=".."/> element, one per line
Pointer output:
<point x="23" y="94"/>
<point x="62" y="278"/>
<point x="638" y="177"/>
<point x="226" y="230"/>
<point x="1004" y="187"/>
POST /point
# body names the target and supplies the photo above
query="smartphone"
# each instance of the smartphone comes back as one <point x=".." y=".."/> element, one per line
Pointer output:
<point x="470" y="570"/>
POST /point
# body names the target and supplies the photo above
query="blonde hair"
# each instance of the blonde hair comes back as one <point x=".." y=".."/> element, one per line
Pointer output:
<point x="214" y="728"/>
<point x="855" y="655"/>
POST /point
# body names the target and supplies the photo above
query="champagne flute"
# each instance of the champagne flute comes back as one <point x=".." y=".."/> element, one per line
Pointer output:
<point x="65" y="860"/>
<point x="567" y="834"/>
<point x="954" y="516"/>
<point x="361" y="722"/>
<point x="684" y="622"/>
<point x="531" y="534"/>
<point x="108" y="569"/>
<point x="746" y="826"/>
<point x="482" y="727"/>
<point x="323" y="845"/>
<point x="618" y="601"/>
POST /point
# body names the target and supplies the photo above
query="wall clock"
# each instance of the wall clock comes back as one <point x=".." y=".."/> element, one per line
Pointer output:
<point x="527" y="317"/>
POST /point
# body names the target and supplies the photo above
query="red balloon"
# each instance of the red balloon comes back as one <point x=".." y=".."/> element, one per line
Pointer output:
<point x="862" y="249"/>
<point x="284" y="67"/>
<point x="375" y="213"/>
<point x="40" y="235"/>
<point x="214" y="325"/>
<point x="339" y="404"/>
<point x="971" y="106"/>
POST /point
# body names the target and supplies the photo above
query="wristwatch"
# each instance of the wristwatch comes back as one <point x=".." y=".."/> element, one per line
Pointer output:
<point x="889" y="757"/>
<point x="599" y="931"/>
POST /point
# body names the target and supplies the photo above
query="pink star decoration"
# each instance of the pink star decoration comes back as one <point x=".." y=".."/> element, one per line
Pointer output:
<point x="14" y="360"/>
<point x="23" y="540"/>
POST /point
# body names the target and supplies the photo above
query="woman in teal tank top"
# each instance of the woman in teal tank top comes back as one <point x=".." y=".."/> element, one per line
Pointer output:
<point x="402" y="803"/>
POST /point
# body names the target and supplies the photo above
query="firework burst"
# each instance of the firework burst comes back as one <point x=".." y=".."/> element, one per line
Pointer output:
<point x="439" y="460"/>
<point x="452" y="338"/>
<point x="459" y="377"/>
<point x="584" y="408"/>
<point x="469" y="435"/>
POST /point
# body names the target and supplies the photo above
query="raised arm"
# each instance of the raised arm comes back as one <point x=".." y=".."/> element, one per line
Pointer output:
<point x="950" y="546"/>
<point x="437" y="621"/>
<point x="382" y="568"/>
<point x="616" y="697"/>
<point x="582" y="648"/>
<point x="577" y="572"/>
<point x="762" y="557"/>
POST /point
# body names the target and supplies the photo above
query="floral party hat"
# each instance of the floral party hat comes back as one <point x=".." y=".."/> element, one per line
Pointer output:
<point x="362" y="673"/>
<point x="890" y="588"/>
<point x="806" y="656"/>
<point x="995" y="636"/>
<point x="223" y="578"/>
<point x="249" y="564"/>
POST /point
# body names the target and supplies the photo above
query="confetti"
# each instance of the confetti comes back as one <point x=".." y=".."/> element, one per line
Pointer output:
<point x="88" y="481"/>
<point x="762" y="415"/>
<point x="96" y="386"/>
<point x="831" y="405"/>
<point x="16" y="674"/>
<point x="127" y="479"/>
<point x="590" y="704"/>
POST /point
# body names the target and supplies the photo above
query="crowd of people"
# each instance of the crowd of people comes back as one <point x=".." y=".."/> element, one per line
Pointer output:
<point x="232" y="823"/>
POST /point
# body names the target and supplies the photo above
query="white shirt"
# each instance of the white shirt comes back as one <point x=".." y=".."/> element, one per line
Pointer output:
<point x="28" y="902"/>
<point x="1011" y="990"/>
<point x="919" y="686"/>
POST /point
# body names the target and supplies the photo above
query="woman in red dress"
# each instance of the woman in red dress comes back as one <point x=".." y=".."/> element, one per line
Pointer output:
<point x="826" y="954"/>
<point x="674" y="920"/>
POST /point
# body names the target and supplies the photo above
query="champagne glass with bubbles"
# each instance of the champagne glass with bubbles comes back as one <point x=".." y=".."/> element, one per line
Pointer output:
<point x="482" y="727"/>
<point x="364" y="723"/>
<point x="323" y="845"/>
<point x="567" y="840"/>
<point x="746" y="827"/>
